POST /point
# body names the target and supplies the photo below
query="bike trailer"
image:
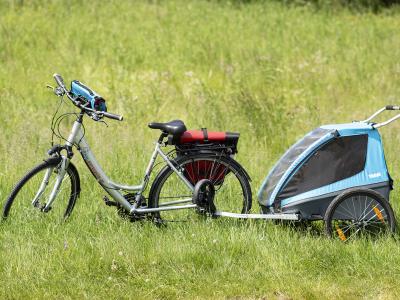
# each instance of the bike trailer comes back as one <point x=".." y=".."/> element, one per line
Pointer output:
<point x="321" y="165"/>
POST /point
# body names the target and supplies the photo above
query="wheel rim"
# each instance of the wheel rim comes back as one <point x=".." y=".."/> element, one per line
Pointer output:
<point x="359" y="215"/>
<point x="230" y="191"/>
<point x="22" y="207"/>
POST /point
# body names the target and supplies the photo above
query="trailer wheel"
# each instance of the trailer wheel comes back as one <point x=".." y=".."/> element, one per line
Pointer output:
<point x="359" y="212"/>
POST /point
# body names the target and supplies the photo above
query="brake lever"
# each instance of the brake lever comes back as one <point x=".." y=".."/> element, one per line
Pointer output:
<point x="102" y="121"/>
<point x="95" y="117"/>
<point x="98" y="118"/>
<point x="58" y="91"/>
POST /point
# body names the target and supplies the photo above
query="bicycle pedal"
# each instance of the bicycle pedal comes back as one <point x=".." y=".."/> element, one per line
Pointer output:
<point x="108" y="202"/>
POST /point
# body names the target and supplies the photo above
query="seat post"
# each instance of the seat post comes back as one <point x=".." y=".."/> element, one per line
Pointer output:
<point x="162" y="136"/>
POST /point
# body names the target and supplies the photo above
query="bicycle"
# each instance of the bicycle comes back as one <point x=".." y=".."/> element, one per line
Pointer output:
<point x="198" y="155"/>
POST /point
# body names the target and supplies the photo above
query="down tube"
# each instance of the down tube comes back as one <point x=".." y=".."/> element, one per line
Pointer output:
<point x="98" y="172"/>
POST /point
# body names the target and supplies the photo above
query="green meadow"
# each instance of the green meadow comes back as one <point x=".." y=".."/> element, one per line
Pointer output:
<point x="268" y="70"/>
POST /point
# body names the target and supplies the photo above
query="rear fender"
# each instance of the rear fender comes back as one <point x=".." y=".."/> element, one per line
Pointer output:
<point x="233" y="161"/>
<point x="240" y="167"/>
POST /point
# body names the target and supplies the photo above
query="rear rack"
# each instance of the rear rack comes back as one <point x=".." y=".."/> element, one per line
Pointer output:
<point x="387" y="107"/>
<point x="211" y="147"/>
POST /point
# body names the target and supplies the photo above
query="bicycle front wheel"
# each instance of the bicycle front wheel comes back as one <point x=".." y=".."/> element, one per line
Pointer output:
<point x="32" y="192"/>
<point x="233" y="192"/>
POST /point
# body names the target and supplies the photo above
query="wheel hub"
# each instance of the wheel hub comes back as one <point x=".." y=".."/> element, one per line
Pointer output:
<point x="203" y="197"/>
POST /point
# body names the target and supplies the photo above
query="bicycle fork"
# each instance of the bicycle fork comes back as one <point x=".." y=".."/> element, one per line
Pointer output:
<point x="61" y="170"/>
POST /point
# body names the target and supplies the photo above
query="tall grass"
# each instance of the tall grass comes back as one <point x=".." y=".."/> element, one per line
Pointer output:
<point x="270" y="71"/>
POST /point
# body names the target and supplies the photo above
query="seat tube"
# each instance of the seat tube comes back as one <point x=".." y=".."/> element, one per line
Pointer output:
<point x="147" y="173"/>
<point x="152" y="160"/>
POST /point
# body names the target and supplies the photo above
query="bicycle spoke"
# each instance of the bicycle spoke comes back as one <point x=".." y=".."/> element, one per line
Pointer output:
<point x="229" y="193"/>
<point x="31" y="196"/>
<point x="345" y="213"/>
<point x="359" y="215"/>
<point x="363" y="213"/>
<point x="354" y="234"/>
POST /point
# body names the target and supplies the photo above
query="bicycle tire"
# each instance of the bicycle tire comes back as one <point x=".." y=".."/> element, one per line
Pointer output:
<point x="232" y="166"/>
<point x="52" y="162"/>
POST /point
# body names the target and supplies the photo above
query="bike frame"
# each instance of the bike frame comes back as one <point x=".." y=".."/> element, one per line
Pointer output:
<point x="76" y="138"/>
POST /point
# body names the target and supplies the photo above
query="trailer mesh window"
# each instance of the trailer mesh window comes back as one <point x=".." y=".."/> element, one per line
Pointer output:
<point x="287" y="159"/>
<point x="341" y="158"/>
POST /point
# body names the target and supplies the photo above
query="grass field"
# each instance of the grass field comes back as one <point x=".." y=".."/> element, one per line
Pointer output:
<point x="270" y="71"/>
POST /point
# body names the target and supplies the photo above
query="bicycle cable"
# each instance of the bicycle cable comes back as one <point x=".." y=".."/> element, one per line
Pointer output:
<point x="57" y="124"/>
<point x="52" y="120"/>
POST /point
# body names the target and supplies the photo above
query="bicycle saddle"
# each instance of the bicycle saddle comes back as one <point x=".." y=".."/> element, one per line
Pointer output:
<point x="175" y="127"/>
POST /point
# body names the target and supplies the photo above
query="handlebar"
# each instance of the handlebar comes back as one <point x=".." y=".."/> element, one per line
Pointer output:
<point x="113" y="116"/>
<point x="392" y="107"/>
<point x="60" y="82"/>
<point x="387" y="107"/>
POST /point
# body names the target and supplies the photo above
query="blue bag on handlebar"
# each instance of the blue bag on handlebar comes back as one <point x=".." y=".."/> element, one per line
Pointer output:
<point x="96" y="101"/>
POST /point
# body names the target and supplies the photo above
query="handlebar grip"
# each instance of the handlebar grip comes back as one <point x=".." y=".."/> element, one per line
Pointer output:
<point x="392" y="107"/>
<point x="113" y="116"/>
<point x="59" y="80"/>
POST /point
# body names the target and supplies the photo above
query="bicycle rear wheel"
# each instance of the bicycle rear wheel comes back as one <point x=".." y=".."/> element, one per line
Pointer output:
<point x="31" y="193"/>
<point x="232" y="188"/>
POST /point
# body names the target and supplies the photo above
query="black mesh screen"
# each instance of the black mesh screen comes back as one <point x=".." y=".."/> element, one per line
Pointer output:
<point x="287" y="159"/>
<point x="341" y="158"/>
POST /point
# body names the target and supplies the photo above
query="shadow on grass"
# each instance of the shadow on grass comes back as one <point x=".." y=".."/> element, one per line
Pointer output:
<point x="301" y="229"/>
<point x="357" y="6"/>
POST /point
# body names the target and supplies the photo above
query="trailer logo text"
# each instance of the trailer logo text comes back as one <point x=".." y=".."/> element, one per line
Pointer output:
<point x="374" y="175"/>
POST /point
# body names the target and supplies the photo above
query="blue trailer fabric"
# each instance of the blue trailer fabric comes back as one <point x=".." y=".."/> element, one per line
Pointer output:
<point x="375" y="170"/>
